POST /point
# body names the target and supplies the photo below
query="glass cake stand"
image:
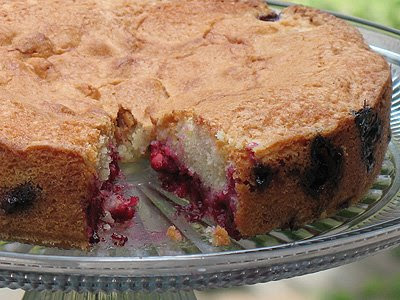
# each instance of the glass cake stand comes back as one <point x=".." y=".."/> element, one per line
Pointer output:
<point x="150" y="266"/>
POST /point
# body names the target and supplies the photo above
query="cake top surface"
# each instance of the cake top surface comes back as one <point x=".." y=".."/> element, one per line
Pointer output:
<point x="299" y="76"/>
<point x="67" y="67"/>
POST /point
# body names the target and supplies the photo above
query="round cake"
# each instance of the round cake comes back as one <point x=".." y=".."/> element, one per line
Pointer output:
<point x="261" y="119"/>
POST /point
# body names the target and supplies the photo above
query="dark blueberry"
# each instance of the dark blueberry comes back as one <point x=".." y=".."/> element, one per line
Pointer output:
<point x="262" y="176"/>
<point x="370" y="128"/>
<point x="19" y="198"/>
<point x="326" y="166"/>
<point x="270" y="17"/>
<point x="345" y="204"/>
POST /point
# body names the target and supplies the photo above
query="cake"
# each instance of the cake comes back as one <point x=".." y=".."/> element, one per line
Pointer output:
<point x="262" y="120"/>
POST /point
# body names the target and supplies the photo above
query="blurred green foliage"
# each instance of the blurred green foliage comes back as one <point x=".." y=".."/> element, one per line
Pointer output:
<point x="385" y="12"/>
<point x="338" y="295"/>
<point x="375" y="289"/>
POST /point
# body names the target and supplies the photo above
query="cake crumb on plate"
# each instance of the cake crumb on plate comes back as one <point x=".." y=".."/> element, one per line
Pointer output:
<point x="174" y="234"/>
<point x="219" y="236"/>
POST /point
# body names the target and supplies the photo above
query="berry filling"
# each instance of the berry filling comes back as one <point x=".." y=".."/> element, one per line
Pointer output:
<point x="178" y="179"/>
<point x="121" y="209"/>
<point x="119" y="239"/>
<point x="109" y="205"/>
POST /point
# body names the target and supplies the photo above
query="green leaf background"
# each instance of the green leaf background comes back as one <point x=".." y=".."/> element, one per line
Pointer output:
<point x="385" y="12"/>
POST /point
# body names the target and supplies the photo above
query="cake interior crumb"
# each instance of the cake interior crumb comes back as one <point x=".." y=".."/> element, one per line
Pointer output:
<point x="198" y="151"/>
<point x="104" y="158"/>
<point x="135" y="144"/>
<point x="132" y="137"/>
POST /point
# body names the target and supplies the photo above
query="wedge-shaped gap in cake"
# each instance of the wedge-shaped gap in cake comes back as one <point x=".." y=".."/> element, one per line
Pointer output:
<point x="132" y="137"/>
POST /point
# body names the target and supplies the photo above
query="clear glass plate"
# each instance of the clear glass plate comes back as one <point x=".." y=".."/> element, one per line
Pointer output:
<point x="152" y="262"/>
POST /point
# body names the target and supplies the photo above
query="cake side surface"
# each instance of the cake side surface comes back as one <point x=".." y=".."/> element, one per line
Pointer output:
<point x="52" y="193"/>
<point x="56" y="214"/>
<point x="53" y="151"/>
<point x="313" y="178"/>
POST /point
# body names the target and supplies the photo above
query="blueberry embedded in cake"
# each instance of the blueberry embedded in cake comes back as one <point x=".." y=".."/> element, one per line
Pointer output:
<point x="262" y="176"/>
<point x="369" y="125"/>
<point x="19" y="198"/>
<point x="270" y="17"/>
<point x="324" y="173"/>
<point x="262" y="119"/>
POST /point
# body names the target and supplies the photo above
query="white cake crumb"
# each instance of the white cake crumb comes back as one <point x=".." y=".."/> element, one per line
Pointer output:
<point x="104" y="158"/>
<point x="135" y="144"/>
<point x="198" y="150"/>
